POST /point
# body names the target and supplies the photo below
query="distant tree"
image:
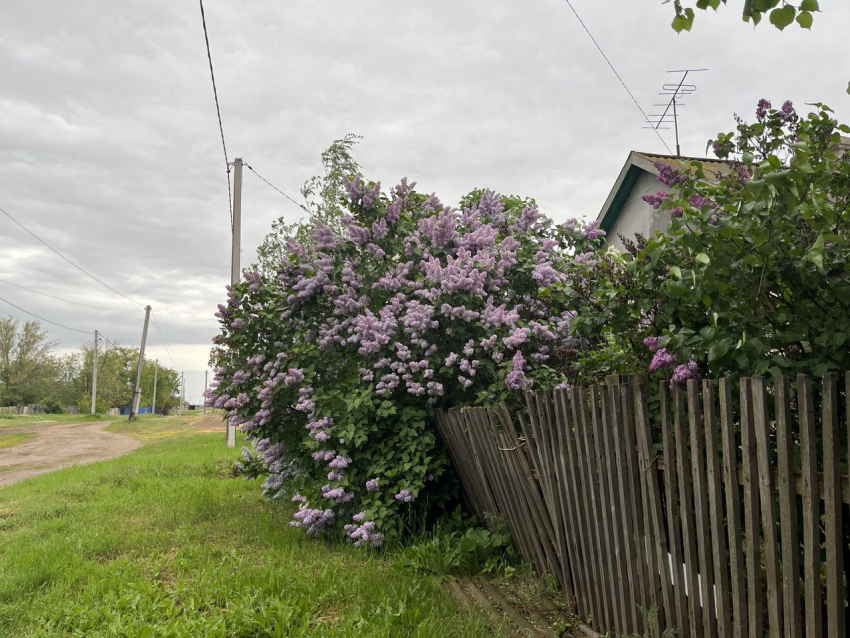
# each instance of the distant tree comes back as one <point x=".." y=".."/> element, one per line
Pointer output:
<point x="26" y="364"/>
<point x="780" y="13"/>
<point x="324" y="196"/>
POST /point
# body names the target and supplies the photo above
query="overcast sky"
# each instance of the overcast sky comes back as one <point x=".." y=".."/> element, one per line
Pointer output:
<point x="111" y="149"/>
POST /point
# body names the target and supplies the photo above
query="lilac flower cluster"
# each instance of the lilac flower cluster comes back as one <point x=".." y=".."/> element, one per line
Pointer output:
<point x="669" y="175"/>
<point x="657" y="199"/>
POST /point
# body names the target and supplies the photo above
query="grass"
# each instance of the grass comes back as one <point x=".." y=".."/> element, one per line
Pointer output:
<point x="162" y="542"/>
<point x="10" y="439"/>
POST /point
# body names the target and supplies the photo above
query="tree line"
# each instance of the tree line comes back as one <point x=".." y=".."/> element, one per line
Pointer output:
<point x="33" y="373"/>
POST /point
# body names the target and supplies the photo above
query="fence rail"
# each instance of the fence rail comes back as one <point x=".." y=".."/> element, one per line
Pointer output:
<point x="723" y="509"/>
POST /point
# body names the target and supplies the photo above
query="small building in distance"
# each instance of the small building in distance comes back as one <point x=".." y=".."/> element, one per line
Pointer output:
<point x="625" y="213"/>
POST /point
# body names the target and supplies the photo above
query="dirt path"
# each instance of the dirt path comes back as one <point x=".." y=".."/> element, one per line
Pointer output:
<point x="59" y="446"/>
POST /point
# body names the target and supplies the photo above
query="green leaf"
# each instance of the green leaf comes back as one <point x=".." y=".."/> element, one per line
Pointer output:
<point x="809" y="5"/>
<point x="676" y="289"/>
<point x="702" y="258"/>
<point x="718" y="349"/>
<point x="781" y="18"/>
<point x="805" y="19"/>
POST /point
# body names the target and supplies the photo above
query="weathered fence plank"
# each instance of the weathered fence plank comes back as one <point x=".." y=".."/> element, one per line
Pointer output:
<point x="686" y="510"/>
<point x="715" y="505"/>
<point x="791" y="602"/>
<point x="733" y="511"/>
<point x="703" y="527"/>
<point x="811" y="508"/>
<point x="671" y="492"/>
<point x="591" y="474"/>
<point x="612" y="565"/>
<point x="651" y="487"/>
<point x="767" y="496"/>
<point x="751" y="512"/>
<point x="832" y="509"/>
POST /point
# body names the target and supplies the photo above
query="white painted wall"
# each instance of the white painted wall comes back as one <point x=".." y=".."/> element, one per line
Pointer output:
<point x="637" y="216"/>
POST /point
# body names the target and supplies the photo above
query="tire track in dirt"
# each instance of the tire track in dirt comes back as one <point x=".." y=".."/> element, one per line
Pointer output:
<point x="59" y="446"/>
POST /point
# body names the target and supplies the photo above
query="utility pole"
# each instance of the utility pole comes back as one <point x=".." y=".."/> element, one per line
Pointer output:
<point x="182" y="391"/>
<point x="137" y="389"/>
<point x="94" y="376"/>
<point x="206" y="384"/>
<point x="155" y="370"/>
<point x="236" y="249"/>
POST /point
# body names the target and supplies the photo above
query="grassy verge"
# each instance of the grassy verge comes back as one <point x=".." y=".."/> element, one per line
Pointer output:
<point x="162" y="542"/>
<point x="149" y="428"/>
<point x="10" y="439"/>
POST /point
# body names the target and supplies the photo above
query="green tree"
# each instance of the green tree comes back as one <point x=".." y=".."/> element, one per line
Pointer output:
<point x="780" y="13"/>
<point x="26" y="364"/>
<point x="325" y="197"/>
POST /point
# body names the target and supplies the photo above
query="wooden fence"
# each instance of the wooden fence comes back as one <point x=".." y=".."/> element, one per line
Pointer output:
<point x="726" y="511"/>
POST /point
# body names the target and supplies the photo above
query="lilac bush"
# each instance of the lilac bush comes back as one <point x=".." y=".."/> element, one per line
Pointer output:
<point x="335" y="364"/>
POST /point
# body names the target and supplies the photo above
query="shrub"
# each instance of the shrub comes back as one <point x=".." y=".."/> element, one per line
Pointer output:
<point x="752" y="276"/>
<point x="336" y="364"/>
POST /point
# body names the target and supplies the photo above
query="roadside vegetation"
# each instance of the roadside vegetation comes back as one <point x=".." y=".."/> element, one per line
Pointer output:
<point x="166" y="542"/>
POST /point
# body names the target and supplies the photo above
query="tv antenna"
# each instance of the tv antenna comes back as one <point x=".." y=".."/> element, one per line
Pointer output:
<point x="677" y="93"/>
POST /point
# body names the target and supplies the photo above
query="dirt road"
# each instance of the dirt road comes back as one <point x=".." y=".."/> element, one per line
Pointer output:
<point x="59" y="446"/>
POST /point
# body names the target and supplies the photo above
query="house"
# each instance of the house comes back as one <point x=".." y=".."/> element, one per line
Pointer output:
<point x="625" y="213"/>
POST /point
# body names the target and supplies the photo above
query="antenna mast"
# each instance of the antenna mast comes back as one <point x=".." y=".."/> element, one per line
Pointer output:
<point x="677" y="93"/>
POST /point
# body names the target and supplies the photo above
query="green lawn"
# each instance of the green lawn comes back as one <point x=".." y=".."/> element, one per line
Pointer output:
<point x="163" y="543"/>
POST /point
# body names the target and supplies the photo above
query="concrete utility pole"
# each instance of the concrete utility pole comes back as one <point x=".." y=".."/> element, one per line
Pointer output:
<point x="206" y="384"/>
<point x="94" y="376"/>
<point x="155" y="370"/>
<point x="182" y="391"/>
<point x="236" y="249"/>
<point x="137" y="389"/>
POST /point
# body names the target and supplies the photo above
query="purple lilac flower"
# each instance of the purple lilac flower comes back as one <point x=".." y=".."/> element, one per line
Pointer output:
<point x="314" y="521"/>
<point x="364" y="533"/>
<point x="592" y="230"/>
<point x="662" y="359"/>
<point x="669" y="175"/>
<point x="682" y="373"/>
<point x="405" y="496"/>
<point x="677" y="212"/>
<point x="788" y="113"/>
<point x="516" y="378"/>
<point x="700" y="201"/>
<point x="657" y="199"/>
<point x="653" y="343"/>
<point x="761" y="109"/>
<point x="372" y="484"/>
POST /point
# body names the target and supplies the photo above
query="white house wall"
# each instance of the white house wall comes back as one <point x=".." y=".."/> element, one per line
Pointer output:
<point x="636" y="215"/>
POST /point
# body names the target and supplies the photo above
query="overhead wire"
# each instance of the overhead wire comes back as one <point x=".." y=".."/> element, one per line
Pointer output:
<point x="46" y="320"/>
<point x="301" y="206"/>
<point x="44" y="294"/>
<point x="80" y="268"/>
<point x="218" y="112"/>
<point x="610" y="64"/>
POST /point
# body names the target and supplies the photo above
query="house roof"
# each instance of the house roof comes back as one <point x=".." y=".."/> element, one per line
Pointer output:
<point x="638" y="162"/>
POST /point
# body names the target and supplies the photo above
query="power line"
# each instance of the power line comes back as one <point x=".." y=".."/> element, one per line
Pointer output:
<point x="80" y="268"/>
<point x="44" y="294"/>
<point x="301" y="206"/>
<point x="637" y="104"/>
<point x="46" y="320"/>
<point x="218" y="112"/>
